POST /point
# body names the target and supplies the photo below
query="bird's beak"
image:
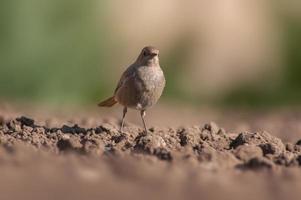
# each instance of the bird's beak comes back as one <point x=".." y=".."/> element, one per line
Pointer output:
<point x="154" y="54"/>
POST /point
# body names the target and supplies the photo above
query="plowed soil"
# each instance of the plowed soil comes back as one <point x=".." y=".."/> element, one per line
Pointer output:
<point x="93" y="160"/>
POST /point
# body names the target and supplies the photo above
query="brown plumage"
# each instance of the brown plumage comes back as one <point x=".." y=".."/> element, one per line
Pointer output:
<point x="108" y="102"/>
<point x="140" y="86"/>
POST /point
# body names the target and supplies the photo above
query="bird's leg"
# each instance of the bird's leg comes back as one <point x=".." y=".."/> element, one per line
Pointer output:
<point x="123" y="116"/>
<point x="143" y="113"/>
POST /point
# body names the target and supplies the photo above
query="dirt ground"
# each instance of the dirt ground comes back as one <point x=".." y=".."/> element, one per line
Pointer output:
<point x="242" y="155"/>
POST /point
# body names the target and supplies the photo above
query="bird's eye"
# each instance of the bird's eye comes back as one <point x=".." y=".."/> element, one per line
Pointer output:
<point x="145" y="53"/>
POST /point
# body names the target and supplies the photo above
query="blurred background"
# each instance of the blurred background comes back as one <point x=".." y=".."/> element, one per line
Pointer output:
<point x="227" y="53"/>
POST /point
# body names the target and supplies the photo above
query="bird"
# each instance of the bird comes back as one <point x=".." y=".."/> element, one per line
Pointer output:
<point x="140" y="86"/>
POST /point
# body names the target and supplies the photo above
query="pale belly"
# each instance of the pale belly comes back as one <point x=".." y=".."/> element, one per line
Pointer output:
<point x="143" y="90"/>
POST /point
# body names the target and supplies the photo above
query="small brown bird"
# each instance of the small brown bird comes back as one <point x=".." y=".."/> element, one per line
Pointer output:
<point x="140" y="86"/>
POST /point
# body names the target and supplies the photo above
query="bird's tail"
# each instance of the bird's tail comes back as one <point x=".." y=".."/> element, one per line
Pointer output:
<point x="108" y="102"/>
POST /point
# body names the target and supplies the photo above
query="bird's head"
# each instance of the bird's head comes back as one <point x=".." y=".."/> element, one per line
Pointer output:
<point x="149" y="56"/>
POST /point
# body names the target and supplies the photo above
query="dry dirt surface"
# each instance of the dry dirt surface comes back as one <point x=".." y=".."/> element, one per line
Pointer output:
<point x="82" y="161"/>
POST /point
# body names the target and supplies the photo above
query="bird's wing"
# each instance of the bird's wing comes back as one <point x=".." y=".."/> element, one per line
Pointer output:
<point x="126" y="76"/>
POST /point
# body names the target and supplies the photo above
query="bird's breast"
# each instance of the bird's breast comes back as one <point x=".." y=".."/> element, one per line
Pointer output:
<point x="152" y="83"/>
<point x="151" y="78"/>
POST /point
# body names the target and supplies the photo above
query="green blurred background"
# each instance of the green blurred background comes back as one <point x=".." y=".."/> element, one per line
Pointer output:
<point x="236" y="53"/>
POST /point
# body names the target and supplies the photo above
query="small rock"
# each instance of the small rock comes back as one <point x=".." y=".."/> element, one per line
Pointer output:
<point x="26" y="121"/>
<point x="268" y="143"/>
<point x="98" y="130"/>
<point x="247" y="152"/>
<point x="241" y="139"/>
<point x="75" y="129"/>
<point x="148" y="143"/>
<point x="66" y="129"/>
<point x="268" y="148"/>
<point x="14" y="126"/>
